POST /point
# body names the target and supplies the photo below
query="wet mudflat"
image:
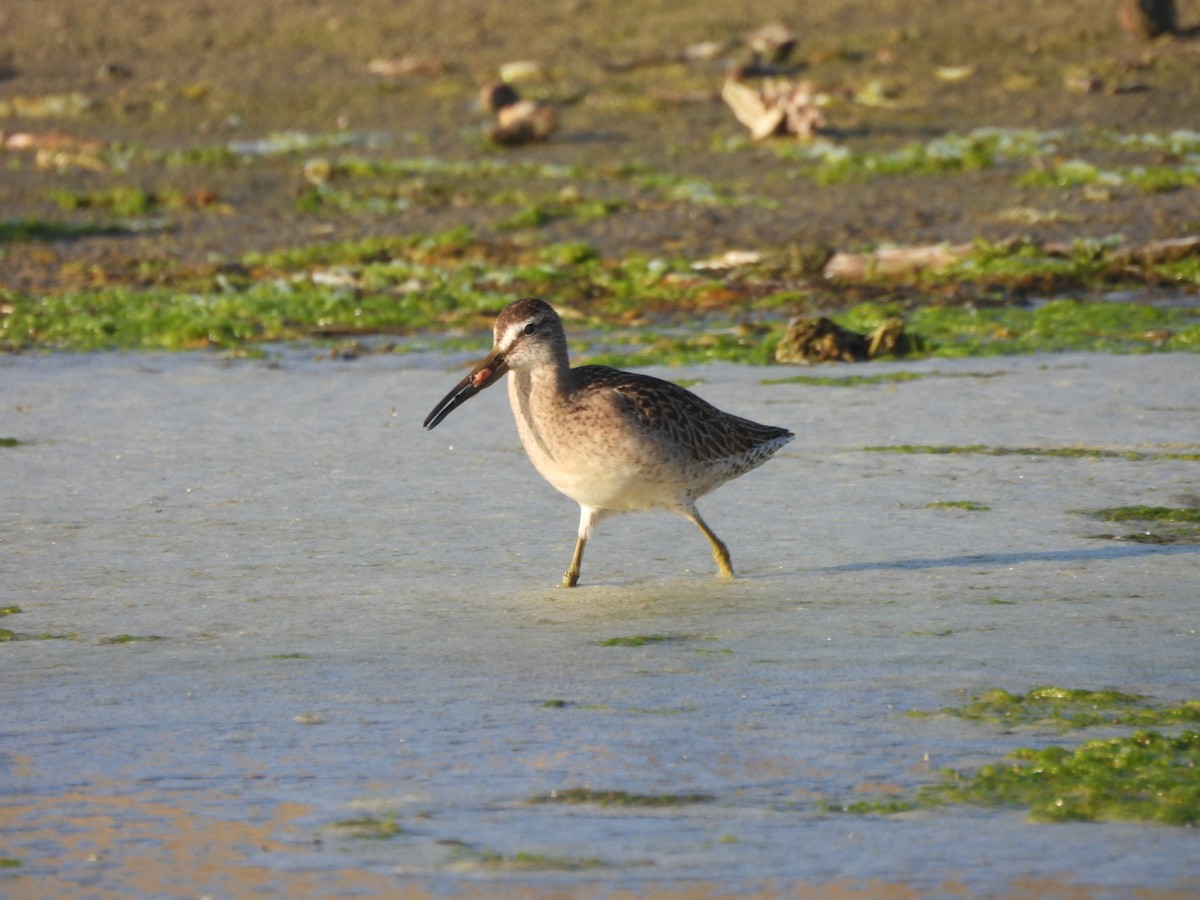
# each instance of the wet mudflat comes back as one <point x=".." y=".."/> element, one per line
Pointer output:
<point x="270" y="636"/>
<point x="259" y="633"/>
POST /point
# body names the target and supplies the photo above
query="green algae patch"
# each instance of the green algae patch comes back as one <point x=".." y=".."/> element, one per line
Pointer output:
<point x="849" y="380"/>
<point x="1159" y="524"/>
<point x="1146" y="776"/>
<point x="655" y="349"/>
<point x="637" y="640"/>
<point x="575" y="209"/>
<point x="1055" y="326"/>
<point x="420" y="285"/>
<point x="1075" y="173"/>
<point x="1071" y="708"/>
<point x="428" y="284"/>
<point x="122" y="201"/>
<point x="131" y="639"/>
<point x="521" y="861"/>
<point x="9" y="636"/>
<point x="1059" y="452"/>
<point x="37" y="230"/>
<point x="621" y="798"/>
<point x="956" y="330"/>
<point x="872" y="807"/>
<point x="828" y="162"/>
<point x="967" y="505"/>
<point x="10" y="442"/>
<point x="371" y="828"/>
<point x="1149" y="514"/>
<point x="526" y="861"/>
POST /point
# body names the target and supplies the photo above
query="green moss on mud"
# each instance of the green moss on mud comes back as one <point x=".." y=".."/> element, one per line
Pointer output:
<point x="39" y="231"/>
<point x="522" y="861"/>
<point x="850" y="380"/>
<point x="429" y="284"/>
<point x="1067" y="708"/>
<point x="7" y="635"/>
<point x="967" y="505"/>
<point x="1147" y="776"/>
<point x="872" y="807"/>
<point x="621" y="798"/>
<point x="1148" y="514"/>
<point x="636" y="640"/>
<point x="1058" y="452"/>
<point x="374" y="828"/>
<point x="1158" y="524"/>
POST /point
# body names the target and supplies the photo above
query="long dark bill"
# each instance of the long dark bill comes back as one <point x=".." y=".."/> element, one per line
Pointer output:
<point x="483" y="375"/>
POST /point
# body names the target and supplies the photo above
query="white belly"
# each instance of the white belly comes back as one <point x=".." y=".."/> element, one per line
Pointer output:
<point x="582" y="455"/>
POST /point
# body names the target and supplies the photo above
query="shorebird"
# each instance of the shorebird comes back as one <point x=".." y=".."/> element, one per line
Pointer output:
<point x="612" y="441"/>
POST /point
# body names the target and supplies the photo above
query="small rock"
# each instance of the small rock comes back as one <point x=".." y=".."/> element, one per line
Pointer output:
<point x="517" y="121"/>
<point x="1148" y="18"/>
<point x="1158" y="252"/>
<point x="731" y="259"/>
<point x="810" y="340"/>
<point x="893" y="261"/>
<point x="498" y="95"/>
<point x="405" y="66"/>
<point x="317" y="171"/>
<point x="522" y="70"/>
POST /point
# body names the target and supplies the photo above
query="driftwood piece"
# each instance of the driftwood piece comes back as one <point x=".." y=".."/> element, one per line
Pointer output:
<point x="775" y="107"/>
<point x="893" y="261"/>
<point x="406" y="66"/>
<point x="1155" y="252"/>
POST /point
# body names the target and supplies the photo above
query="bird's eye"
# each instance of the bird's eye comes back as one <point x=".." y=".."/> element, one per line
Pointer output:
<point x="531" y="328"/>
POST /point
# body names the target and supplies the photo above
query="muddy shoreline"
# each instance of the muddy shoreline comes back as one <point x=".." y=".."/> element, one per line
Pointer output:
<point x="178" y="76"/>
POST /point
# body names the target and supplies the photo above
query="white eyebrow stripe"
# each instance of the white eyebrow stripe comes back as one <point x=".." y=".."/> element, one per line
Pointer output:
<point x="511" y="334"/>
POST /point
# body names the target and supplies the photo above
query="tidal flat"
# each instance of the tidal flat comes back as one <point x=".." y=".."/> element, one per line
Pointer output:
<point x="303" y="643"/>
<point x="260" y="632"/>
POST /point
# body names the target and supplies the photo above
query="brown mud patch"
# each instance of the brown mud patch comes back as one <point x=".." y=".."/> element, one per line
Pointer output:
<point x="183" y="75"/>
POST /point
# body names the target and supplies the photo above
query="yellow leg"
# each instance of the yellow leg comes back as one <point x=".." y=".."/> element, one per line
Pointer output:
<point x="719" y="551"/>
<point x="588" y="518"/>
<point x="572" y="573"/>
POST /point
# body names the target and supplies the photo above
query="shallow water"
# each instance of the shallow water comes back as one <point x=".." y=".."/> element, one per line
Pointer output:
<point x="358" y="618"/>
